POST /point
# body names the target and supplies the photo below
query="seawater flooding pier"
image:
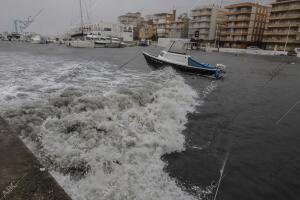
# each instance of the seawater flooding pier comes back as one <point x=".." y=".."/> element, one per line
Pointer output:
<point x="21" y="175"/>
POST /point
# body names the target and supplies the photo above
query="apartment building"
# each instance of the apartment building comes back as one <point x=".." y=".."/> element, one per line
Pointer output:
<point x="132" y="19"/>
<point x="205" y="21"/>
<point x="162" y="23"/>
<point x="283" y="31"/>
<point x="180" y="27"/>
<point x="245" y="25"/>
<point x="147" y="31"/>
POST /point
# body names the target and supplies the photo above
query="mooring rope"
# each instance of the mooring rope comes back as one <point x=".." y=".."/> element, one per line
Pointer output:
<point x="221" y="174"/>
<point x="130" y="60"/>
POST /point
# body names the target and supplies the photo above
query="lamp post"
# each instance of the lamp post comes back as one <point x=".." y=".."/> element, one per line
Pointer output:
<point x="216" y="35"/>
<point x="287" y="37"/>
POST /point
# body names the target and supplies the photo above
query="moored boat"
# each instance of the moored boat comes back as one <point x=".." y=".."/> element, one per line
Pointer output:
<point x="108" y="42"/>
<point x="80" y="43"/>
<point x="176" y="56"/>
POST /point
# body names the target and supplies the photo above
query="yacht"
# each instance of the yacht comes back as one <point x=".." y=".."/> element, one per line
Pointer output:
<point x="81" y="41"/>
<point x="105" y="41"/>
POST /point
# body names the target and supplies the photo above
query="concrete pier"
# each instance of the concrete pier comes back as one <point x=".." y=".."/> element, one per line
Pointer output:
<point x="22" y="177"/>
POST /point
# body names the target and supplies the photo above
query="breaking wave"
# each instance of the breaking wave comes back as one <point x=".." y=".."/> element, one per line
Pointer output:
<point x="100" y="131"/>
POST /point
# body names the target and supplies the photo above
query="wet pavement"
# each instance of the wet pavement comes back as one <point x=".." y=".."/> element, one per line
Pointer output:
<point x="22" y="176"/>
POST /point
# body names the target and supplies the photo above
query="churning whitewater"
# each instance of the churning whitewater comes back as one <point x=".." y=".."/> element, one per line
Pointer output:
<point x="99" y="130"/>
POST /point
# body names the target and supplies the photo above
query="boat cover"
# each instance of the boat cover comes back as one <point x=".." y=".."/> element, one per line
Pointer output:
<point x="194" y="63"/>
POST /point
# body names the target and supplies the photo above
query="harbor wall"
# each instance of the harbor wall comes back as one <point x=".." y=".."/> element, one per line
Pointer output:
<point x="248" y="51"/>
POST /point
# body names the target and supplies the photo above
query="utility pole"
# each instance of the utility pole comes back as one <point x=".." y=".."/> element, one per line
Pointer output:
<point x="219" y="38"/>
<point x="287" y="37"/>
<point x="216" y="35"/>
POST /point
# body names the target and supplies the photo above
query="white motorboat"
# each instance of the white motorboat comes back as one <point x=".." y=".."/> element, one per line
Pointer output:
<point x="176" y="56"/>
<point x="106" y="42"/>
<point x="36" y="39"/>
<point x="81" y="43"/>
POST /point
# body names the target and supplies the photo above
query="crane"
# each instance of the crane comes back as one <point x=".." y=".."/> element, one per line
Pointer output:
<point x="21" y="25"/>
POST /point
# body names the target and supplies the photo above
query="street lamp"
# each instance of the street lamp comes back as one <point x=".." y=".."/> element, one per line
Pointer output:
<point x="287" y="37"/>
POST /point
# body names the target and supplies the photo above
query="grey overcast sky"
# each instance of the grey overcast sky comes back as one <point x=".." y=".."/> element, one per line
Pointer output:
<point x="59" y="15"/>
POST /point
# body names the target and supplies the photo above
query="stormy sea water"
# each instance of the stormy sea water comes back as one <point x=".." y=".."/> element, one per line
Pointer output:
<point x="101" y="131"/>
<point x="106" y="132"/>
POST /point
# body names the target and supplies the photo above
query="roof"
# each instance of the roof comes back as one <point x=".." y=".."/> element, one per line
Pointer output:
<point x="161" y="14"/>
<point x="246" y="4"/>
<point x="137" y="14"/>
<point x="284" y="1"/>
<point x="203" y="7"/>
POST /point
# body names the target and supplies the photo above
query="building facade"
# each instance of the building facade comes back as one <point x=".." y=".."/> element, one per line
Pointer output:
<point x="180" y="27"/>
<point x="246" y="25"/>
<point x="132" y="19"/>
<point x="205" y="20"/>
<point x="162" y="23"/>
<point x="283" y="31"/>
<point x="147" y="31"/>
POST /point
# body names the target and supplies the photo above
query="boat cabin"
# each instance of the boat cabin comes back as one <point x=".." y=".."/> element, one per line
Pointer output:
<point x="179" y="52"/>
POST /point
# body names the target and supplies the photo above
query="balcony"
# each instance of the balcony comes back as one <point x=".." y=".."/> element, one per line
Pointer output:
<point x="240" y="33"/>
<point x="286" y="16"/>
<point x="229" y="26"/>
<point x="235" y="39"/>
<point x="162" y="31"/>
<point x="202" y="20"/>
<point x="235" y="19"/>
<point x="200" y="13"/>
<point x="246" y="12"/>
<point x="197" y="26"/>
<point x="234" y="33"/>
<point x="224" y="33"/>
<point x="275" y="25"/>
<point x="279" y="33"/>
<point x="284" y="2"/>
<point x="282" y="41"/>
<point x="286" y="8"/>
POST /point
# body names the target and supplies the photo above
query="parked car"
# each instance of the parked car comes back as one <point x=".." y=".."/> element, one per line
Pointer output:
<point x="253" y="48"/>
<point x="297" y="51"/>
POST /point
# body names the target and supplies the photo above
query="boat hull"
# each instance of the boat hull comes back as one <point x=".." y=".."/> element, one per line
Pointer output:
<point x="81" y="44"/>
<point x="108" y="45"/>
<point x="157" y="63"/>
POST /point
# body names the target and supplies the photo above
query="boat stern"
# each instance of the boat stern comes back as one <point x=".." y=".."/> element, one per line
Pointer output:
<point x="220" y="70"/>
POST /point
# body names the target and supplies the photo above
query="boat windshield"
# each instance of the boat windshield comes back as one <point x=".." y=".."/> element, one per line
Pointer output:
<point x="179" y="47"/>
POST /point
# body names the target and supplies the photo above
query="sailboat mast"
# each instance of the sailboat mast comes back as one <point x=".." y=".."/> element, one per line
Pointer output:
<point x="81" y="17"/>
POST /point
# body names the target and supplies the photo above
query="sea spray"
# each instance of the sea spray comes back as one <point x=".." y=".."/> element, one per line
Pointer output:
<point x="101" y="132"/>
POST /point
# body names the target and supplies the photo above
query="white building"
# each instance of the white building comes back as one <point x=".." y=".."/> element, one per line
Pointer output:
<point x="108" y="30"/>
<point x="204" y="22"/>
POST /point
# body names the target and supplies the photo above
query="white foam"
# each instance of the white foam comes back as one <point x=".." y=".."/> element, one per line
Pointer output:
<point x="101" y="132"/>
